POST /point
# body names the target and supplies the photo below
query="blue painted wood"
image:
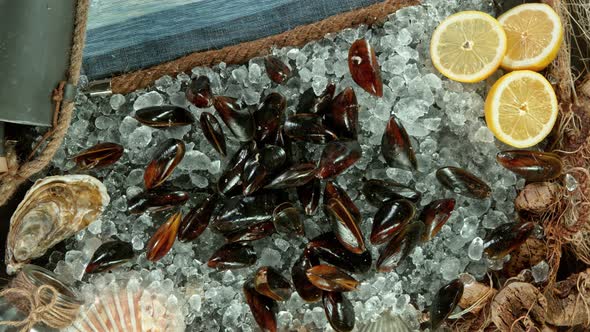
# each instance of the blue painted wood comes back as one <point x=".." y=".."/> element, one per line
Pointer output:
<point x="165" y="34"/>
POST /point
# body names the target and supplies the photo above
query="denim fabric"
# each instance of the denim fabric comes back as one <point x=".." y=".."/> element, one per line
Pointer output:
<point x="156" y="37"/>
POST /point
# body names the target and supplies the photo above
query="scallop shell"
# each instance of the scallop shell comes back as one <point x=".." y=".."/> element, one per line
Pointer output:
<point x="54" y="209"/>
<point x="387" y="323"/>
<point x="129" y="303"/>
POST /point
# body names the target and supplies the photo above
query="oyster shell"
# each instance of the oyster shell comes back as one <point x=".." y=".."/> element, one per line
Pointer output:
<point x="54" y="209"/>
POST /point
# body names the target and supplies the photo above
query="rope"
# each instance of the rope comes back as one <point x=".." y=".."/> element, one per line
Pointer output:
<point x="16" y="175"/>
<point x="241" y="53"/>
<point x="42" y="303"/>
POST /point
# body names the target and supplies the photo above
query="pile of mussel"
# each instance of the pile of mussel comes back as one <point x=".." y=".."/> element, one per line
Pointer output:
<point x="269" y="186"/>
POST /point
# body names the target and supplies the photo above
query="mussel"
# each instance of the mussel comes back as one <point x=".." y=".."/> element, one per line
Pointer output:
<point x="306" y="290"/>
<point x="435" y="215"/>
<point x="235" y="255"/>
<point x="378" y="191"/>
<point x="263" y="308"/>
<point x="167" y="156"/>
<point x="444" y="302"/>
<point x="240" y="122"/>
<point x="164" y="116"/>
<point x="295" y="176"/>
<point x="327" y="248"/>
<point x="364" y="69"/>
<point x="240" y="212"/>
<point x="213" y="132"/>
<point x="251" y="233"/>
<point x="463" y="183"/>
<point x="100" y="155"/>
<point x="230" y="181"/>
<point x="400" y="246"/>
<point x="342" y="117"/>
<point x="310" y="103"/>
<point x="161" y="242"/>
<point x="269" y="282"/>
<point x="276" y="69"/>
<point x="287" y="219"/>
<point x="308" y="127"/>
<point x="330" y="278"/>
<point x="199" y="92"/>
<point x="259" y="167"/>
<point x="158" y="200"/>
<point x="345" y="217"/>
<point x="268" y="117"/>
<point x="197" y="220"/>
<point x="396" y="146"/>
<point x="535" y="166"/>
<point x="337" y="157"/>
<point x="505" y="238"/>
<point x="110" y="255"/>
<point x="390" y="219"/>
<point x="339" y="311"/>
<point x="309" y="196"/>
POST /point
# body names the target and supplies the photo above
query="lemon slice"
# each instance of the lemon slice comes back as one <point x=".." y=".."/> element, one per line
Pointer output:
<point x="468" y="46"/>
<point x="521" y="108"/>
<point x="534" y="33"/>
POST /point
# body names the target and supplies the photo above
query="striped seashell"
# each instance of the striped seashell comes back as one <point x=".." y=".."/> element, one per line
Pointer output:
<point x="387" y="323"/>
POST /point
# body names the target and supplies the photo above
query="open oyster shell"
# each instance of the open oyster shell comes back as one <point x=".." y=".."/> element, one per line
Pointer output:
<point x="54" y="209"/>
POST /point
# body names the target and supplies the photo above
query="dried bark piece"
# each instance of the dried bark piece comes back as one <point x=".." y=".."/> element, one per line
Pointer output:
<point x="519" y="301"/>
<point x="161" y="242"/>
<point x="565" y="302"/>
<point x="476" y="292"/>
<point x="529" y="254"/>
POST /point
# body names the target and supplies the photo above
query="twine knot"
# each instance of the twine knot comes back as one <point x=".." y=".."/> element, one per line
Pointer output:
<point x="37" y="309"/>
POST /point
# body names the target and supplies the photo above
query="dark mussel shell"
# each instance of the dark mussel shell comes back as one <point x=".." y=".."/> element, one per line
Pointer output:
<point x="396" y="146"/>
<point x="310" y="103"/>
<point x="435" y="215"/>
<point x="390" y="219"/>
<point x="263" y="308"/>
<point x="337" y="157"/>
<point x="295" y="176"/>
<point x="444" y="302"/>
<point x="327" y="248"/>
<point x="343" y="118"/>
<point x="506" y="238"/>
<point x="260" y="166"/>
<point x="100" y="155"/>
<point x="240" y="212"/>
<point x="235" y="255"/>
<point x="287" y="219"/>
<point x="308" y="127"/>
<point x="161" y="242"/>
<point x="199" y="92"/>
<point x="110" y="255"/>
<point x="309" y="196"/>
<point x="197" y="220"/>
<point x="252" y="232"/>
<point x="154" y="201"/>
<point x="276" y="69"/>
<point x="230" y="181"/>
<point x="240" y="122"/>
<point x="400" y="247"/>
<point x="269" y="282"/>
<point x="463" y="183"/>
<point x="345" y="217"/>
<point x="378" y="191"/>
<point x="364" y="69"/>
<point x="213" y="132"/>
<point x="164" y="116"/>
<point x="305" y="289"/>
<point x="268" y="117"/>
<point x="339" y="311"/>
<point x="167" y="156"/>
<point x="535" y="166"/>
<point x="330" y="278"/>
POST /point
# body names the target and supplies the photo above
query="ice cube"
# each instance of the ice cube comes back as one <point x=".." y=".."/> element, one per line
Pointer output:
<point x="152" y="98"/>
